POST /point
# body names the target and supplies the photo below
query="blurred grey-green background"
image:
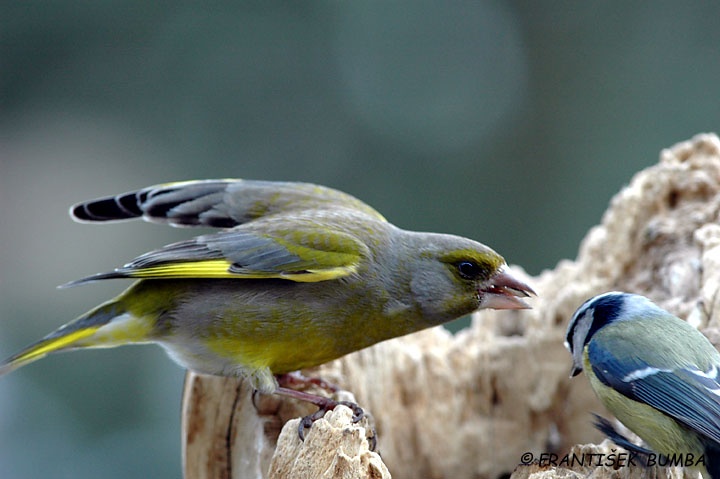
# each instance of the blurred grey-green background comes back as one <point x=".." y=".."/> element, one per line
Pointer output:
<point x="508" y="122"/>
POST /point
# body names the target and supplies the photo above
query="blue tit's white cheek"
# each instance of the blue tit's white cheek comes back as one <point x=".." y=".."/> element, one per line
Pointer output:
<point x="581" y="328"/>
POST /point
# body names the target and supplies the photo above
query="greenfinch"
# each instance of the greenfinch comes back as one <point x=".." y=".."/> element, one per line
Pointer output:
<point x="298" y="275"/>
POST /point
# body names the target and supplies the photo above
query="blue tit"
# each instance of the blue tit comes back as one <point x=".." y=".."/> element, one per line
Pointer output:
<point x="656" y="373"/>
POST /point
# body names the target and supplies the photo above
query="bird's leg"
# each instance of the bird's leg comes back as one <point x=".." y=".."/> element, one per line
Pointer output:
<point x="324" y="405"/>
<point x="294" y="384"/>
<point x="297" y="380"/>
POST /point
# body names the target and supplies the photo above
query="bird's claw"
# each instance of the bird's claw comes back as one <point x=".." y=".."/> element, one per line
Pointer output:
<point x="323" y="403"/>
<point x="358" y="412"/>
<point x="307" y="421"/>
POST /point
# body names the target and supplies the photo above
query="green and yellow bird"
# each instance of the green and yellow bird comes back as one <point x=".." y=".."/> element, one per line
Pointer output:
<point x="298" y="275"/>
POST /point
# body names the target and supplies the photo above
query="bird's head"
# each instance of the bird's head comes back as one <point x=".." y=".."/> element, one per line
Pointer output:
<point x="454" y="276"/>
<point x="598" y="312"/>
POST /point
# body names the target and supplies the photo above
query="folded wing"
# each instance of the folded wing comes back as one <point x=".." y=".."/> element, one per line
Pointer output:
<point x="300" y="254"/>
<point x="688" y="394"/>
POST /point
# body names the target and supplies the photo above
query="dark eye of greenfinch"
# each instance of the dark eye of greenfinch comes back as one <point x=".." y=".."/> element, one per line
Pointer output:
<point x="469" y="269"/>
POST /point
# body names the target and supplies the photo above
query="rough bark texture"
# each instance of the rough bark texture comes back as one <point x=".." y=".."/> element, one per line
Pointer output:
<point x="470" y="405"/>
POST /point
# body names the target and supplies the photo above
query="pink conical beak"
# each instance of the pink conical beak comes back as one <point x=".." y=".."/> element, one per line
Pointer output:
<point x="503" y="291"/>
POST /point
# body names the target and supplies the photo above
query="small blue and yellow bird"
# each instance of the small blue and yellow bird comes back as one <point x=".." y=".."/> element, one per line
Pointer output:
<point x="298" y="275"/>
<point x="656" y="373"/>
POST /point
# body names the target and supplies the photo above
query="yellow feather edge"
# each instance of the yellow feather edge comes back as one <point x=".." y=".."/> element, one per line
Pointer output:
<point x="219" y="269"/>
<point x="53" y="345"/>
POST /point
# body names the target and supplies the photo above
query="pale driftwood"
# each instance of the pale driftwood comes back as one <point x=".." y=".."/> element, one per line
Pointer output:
<point x="469" y="405"/>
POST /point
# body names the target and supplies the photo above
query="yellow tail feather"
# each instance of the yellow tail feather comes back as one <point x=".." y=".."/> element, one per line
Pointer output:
<point x="107" y="325"/>
<point x="44" y="347"/>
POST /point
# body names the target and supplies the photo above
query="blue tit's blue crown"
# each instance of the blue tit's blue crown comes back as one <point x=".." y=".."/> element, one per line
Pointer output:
<point x="609" y="307"/>
<point x="600" y="311"/>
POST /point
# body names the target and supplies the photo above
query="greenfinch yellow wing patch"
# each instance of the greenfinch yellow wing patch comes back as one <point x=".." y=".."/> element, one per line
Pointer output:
<point x="297" y="255"/>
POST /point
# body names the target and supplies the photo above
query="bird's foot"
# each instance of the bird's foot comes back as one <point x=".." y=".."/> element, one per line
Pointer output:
<point x="307" y="421"/>
<point x="324" y="405"/>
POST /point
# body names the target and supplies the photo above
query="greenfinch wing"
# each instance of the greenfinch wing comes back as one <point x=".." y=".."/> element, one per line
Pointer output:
<point x="302" y="255"/>
<point x="216" y="203"/>
<point x="281" y="230"/>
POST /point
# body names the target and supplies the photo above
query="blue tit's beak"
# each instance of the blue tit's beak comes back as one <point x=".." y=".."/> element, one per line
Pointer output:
<point x="575" y="370"/>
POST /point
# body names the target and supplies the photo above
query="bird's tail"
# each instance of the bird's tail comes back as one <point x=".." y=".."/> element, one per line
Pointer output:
<point x="106" y="326"/>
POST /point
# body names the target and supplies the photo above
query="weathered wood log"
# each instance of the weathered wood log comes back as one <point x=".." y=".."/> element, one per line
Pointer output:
<point x="469" y="405"/>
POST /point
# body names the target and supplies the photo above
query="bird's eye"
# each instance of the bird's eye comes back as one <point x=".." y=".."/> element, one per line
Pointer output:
<point x="469" y="269"/>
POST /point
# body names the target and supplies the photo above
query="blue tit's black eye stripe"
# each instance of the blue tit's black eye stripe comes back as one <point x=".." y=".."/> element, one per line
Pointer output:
<point x="571" y="331"/>
<point x="607" y="309"/>
<point x="579" y="319"/>
<point x="603" y="310"/>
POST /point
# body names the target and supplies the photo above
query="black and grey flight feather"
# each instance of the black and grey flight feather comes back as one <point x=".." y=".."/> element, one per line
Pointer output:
<point x="216" y="203"/>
